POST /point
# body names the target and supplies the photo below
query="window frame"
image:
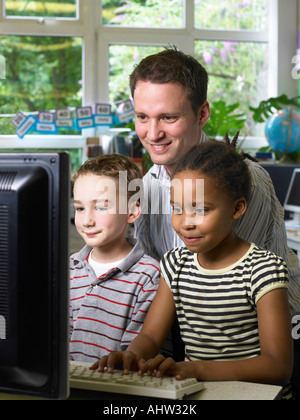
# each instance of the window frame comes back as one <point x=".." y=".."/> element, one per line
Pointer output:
<point x="98" y="37"/>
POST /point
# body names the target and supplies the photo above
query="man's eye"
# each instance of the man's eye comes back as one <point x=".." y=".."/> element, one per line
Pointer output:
<point x="169" y="118"/>
<point x="141" y="117"/>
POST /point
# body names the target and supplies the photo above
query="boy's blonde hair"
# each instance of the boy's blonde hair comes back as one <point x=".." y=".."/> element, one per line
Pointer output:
<point x="110" y="166"/>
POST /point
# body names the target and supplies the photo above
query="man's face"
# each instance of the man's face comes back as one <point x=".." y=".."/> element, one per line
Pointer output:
<point x="165" y="121"/>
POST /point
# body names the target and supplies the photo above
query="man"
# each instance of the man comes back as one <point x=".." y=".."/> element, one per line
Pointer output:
<point x="170" y="100"/>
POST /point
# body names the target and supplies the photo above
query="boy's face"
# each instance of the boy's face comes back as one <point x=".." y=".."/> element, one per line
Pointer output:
<point x="97" y="218"/>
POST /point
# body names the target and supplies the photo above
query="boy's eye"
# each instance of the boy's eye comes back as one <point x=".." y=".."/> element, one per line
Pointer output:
<point x="177" y="210"/>
<point x="79" y="209"/>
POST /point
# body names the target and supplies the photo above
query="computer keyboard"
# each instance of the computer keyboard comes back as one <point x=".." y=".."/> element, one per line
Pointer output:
<point x="81" y="377"/>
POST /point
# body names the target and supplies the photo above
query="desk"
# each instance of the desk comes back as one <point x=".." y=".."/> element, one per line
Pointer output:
<point x="213" y="391"/>
<point x="234" y="391"/>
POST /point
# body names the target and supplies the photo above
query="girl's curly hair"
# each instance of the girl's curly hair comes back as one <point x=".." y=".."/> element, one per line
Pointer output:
<point x="222" y="164"/>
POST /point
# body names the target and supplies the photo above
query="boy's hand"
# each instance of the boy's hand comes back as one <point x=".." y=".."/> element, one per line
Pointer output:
<point x="127" y="359"/>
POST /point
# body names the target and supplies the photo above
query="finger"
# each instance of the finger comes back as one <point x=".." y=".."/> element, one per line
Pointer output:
<point x="102" y="364"/>
<point x="95" y="365"/>
<point x="130" y="361"/>
<point x="114" y="359"/>
<point x="167" y="367"/>
<point x="151" y="366"/>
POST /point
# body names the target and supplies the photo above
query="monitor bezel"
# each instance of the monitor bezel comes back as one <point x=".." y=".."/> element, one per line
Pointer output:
<point x="287" y="206"/>
<point x="57" y="165"/>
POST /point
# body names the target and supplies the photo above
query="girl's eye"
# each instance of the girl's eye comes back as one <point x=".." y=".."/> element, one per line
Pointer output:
<point x="200" y="211"/>
<point x="79" y="209"/>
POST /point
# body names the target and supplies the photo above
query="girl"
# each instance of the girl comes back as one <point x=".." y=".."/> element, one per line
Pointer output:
<point x="230" y="296"/>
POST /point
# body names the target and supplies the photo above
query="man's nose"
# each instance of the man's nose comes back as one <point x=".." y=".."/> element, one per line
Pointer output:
<point x="155" y="132"/>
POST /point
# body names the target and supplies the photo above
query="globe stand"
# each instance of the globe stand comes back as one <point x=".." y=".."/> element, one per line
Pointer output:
<point x="285" y="160"/>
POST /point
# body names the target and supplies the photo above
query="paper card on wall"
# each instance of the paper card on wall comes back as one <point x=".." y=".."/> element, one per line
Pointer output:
<point x="45" y="124"/>
<point x="103" y="109"/>
<point x="18" y="120"/>
<point x="63" y="118"/>
<point x="103" y="120"/>
<point x="103" y="115"/>
<point x="125" y="111"/>
<point x="45" y="128"/>
<point x="84" y="112"/>
<point x="46" y="117"/>
<point x="23" y="124"/>
<point x="84" y="118"/>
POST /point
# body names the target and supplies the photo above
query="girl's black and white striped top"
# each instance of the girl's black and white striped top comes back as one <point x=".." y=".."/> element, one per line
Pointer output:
<point x="216" y="309"/>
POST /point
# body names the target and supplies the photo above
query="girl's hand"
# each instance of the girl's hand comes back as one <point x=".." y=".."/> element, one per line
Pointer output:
<point x="161" y="366"/>
<point x="128" y="360"/>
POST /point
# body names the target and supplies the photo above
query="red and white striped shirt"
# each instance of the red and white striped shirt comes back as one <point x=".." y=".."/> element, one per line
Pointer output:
<point x="108" y="312"/>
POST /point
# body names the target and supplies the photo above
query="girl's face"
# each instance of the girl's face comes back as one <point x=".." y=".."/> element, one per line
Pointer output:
<point x="211" y="224"/>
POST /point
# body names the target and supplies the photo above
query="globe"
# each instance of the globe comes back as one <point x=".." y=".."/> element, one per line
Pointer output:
<point x="283" y="131"/>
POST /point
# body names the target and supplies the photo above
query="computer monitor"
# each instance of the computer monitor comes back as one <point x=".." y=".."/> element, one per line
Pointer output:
<point x="292" y="200"/>
<point x="34" y="280"/>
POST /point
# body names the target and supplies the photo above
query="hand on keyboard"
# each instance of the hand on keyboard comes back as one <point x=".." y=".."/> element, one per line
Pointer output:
<point x="128" y="360"/>
<point x="82" y="377"/>
<point x="158" y="366"/>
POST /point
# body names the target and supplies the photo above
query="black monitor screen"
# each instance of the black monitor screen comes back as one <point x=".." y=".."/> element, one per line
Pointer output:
<point x="293" y="197"/>
<point x="34" y="220"/>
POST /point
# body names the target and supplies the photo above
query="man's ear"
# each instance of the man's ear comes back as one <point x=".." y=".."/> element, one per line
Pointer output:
<point x="204" y="114"/>
<point x="240" y="207"/>
<point x="134" y="211"/>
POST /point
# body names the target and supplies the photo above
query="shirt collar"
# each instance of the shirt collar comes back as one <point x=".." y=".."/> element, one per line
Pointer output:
<point x="135" y="255"/>
<point x="160" y="172"/>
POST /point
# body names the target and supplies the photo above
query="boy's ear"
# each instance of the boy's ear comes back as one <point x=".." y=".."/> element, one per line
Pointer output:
<point x="240" y="207"/>
<point x="134" y="211"/>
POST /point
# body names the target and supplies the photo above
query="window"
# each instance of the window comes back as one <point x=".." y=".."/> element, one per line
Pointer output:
<point x="44" y="8"/>
<point x="231" y="15"/>
<point x="70" y="53"/>
<point x="145" y="14"/>
<point x="42" y="74"/>
<point x="122" y="59"/>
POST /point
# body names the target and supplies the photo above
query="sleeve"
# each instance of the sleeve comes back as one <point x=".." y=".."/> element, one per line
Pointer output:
<point x="70" y="298"/>
<point x="142" y="225"/>
<point x="168" y="266"/>
<point x="143" y="302"/>
<point x="270" y="273"/>
<point x="142" y="232"/>
<point x="257" y="225"/>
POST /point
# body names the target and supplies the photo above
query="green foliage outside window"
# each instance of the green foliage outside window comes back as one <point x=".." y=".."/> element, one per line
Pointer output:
<point x="45" y="72"/>
<point x="42" y="74"/>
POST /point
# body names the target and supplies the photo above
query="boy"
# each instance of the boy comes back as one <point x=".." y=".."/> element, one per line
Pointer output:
<point x="112" y="282"/>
